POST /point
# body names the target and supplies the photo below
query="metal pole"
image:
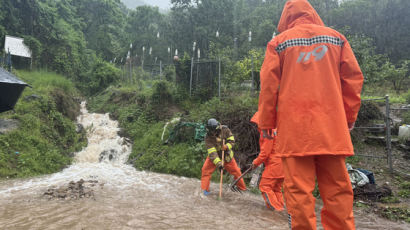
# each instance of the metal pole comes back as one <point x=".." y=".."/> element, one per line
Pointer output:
<point x="197" y="67"/>
<point x="143" y="58"/>
<point x="190" y="80"/>
<point x="219" y="78"/>
<point x="130" y="69"/>
<point x="388" y="135"/>
<point x="160" y="70"/>
<point x="122" y="72"/>
<point x="253" y="85"/>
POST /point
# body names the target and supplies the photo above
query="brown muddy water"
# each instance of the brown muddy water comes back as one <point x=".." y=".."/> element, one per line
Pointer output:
<point x="125" y="198"/>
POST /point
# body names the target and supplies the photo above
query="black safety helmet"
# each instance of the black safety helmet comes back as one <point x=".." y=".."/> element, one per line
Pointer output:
<point x="212" y="126"/>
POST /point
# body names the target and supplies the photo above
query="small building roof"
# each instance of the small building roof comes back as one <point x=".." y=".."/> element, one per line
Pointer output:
<point x="6" y="77"/>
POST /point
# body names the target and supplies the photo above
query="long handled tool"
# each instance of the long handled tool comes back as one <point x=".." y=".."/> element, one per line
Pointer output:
<point x="233" y="187"/>
<point x="222" y="170"/>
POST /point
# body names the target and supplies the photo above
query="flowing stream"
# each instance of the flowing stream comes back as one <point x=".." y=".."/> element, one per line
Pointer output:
<point x="125" y="198"/>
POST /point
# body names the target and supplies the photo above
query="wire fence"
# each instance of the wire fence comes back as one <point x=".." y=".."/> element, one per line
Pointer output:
<point x="378" y="123"/>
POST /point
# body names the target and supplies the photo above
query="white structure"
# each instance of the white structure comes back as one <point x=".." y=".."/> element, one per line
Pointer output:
<point x="16" y="47"/>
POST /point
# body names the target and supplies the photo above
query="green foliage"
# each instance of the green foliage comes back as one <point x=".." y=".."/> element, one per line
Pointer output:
<point x="406" y="117"/>
<point x="69" y="37"/>
<point x="44" y="82"/>
<point x="396" y="214"/>
<point x="46" y="138"/>
<point x="390" y="199"/>
<point x="399" y="77"/>
<point x="161" y="94"/>
<point x="407" y="96"/>
<point x="382" y="20"/>
<point x="35" y="47"/>
<point x="240" y="106"/>
<point x="99" y="78"/>
<point x="255" y="191"/>
<point x="360" y="204"/>
<point x="405" y="185"/>
<point x="404" y="189"/>
<point x="139" y="116"/>
<point x="237" y="72"/>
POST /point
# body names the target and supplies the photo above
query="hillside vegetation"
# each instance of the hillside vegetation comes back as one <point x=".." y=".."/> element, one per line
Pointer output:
<point x="46" y="135"/>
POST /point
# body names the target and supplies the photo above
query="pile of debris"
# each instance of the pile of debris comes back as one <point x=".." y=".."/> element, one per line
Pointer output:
<point x="364" y="185"/>
<point x="372" y="192"/>
<point x="74" y="190"/>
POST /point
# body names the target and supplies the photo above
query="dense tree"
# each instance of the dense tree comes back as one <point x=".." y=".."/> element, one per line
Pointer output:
<point x="386" y="21"/>
<point x="68" y="35"/>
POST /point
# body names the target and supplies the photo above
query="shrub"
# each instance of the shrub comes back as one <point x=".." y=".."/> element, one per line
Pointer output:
<point x="406" y="117"/>
<point x="102" y="75"/>
<point x="407" y="96"/>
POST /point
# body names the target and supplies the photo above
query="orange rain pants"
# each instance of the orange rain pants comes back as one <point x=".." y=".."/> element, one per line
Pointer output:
<point x="334" y="187"/>
<point x="272" y="177"/>
<point x="208" y="168"/>
<point x="271" y="189"/>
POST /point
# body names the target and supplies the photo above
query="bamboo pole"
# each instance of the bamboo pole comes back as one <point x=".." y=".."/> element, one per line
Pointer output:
<point x="222" y="170"/>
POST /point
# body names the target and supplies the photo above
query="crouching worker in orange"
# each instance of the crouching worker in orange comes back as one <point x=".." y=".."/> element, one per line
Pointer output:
<point x="272" y="177"/>
<point x="216" y="133"/>
<point x="310" y="92"/>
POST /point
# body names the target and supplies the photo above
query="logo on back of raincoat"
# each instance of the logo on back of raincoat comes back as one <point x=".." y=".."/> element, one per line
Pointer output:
<point x="319" y="52"/>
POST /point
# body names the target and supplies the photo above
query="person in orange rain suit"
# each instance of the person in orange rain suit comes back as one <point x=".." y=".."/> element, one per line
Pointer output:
<point x="310" y="92"/>
<point x="216" y="133"/>
<point x="272" y="177"/>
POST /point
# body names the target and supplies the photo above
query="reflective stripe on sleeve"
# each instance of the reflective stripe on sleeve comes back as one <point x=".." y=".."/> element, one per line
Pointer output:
<point x="217" y="160"/>
<point x="211" y="150"/>
<point x="231" y="138"/>
<point x="229" y="146"/>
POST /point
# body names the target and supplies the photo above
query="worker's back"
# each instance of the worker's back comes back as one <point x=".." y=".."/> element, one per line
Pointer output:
<point x="311" y="63"/>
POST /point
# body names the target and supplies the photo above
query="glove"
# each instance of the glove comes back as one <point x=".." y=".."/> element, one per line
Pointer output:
<point x="219" y="167"/>
<point x="267" y="133"/>
<point x="224" y="147"/>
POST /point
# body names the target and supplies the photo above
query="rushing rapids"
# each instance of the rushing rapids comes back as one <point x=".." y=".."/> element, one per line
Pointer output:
<point x="125" y="198"/>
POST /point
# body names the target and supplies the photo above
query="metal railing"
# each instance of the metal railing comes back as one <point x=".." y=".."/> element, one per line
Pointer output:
<point x="393" y="160"/>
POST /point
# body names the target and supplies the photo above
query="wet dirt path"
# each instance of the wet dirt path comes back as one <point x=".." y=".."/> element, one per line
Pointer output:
<point x="125" y="198"/>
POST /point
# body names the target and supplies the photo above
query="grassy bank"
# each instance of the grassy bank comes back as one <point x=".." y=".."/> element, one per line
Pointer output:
<point x="46" y="135"/>
<point x="143" y="112"/>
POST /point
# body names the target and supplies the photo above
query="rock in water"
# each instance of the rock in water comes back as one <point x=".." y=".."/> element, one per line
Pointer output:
<point x="73" y="191"/>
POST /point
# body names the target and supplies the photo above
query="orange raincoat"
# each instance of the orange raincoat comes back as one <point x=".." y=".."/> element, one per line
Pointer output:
<point x="310" y="92"/>
<point x="320" y="84"/>
<point x="272" y="177"/>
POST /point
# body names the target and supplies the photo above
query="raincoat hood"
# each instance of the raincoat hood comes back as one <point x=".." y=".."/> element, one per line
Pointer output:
<point x="298" y="12"/>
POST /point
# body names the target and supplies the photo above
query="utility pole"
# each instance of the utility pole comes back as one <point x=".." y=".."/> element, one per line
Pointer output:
<point x="219" y="69"/>
<point x="160" y="69"/>
<point x="250" y="45"/>
<point x="131" y="62"/>
<point x="192" y="68"/>
<point x="143" y="54"/>
<point x="197" y="66"/>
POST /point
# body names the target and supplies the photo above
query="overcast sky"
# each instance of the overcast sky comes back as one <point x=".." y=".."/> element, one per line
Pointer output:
<point x="163" y="4"/>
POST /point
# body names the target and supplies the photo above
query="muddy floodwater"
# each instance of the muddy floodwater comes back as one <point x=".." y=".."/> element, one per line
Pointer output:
<point x="124" y="198"/>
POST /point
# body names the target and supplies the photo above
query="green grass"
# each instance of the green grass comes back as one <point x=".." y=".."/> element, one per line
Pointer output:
<point x="45" y="138"/>
<point x="44" y="82"/>
<point x="393" y="98"/>
<point x="143" y="114"/>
